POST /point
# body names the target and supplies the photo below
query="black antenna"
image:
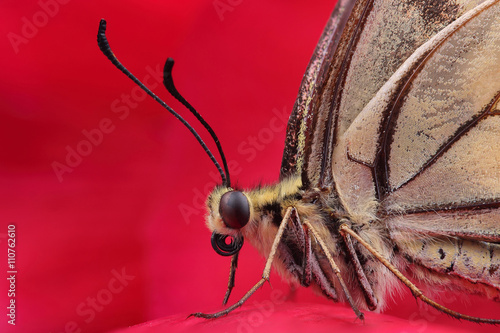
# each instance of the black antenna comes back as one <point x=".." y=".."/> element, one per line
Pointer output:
<point x="168" y="82"/>
<point x="103" y="43"/>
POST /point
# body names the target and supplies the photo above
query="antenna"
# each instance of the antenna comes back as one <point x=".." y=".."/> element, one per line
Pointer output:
<point x="103" y="43"/>
<point x="168" y="82"/>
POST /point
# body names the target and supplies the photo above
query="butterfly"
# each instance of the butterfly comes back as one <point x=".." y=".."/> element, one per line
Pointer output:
<point x="391" y="167"/>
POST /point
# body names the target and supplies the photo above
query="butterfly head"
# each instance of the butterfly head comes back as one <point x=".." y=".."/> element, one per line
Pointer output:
<point x="229" y="212"/>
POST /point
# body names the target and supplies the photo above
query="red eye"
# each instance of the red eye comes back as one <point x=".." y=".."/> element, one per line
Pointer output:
<point x="234" y="209"/>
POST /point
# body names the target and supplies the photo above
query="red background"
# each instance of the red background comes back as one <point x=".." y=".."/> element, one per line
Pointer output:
<point x="120" y="207"/>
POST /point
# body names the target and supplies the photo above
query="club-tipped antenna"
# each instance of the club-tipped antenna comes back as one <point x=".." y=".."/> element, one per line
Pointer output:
<point x="103" y="43"/>
<point x="168" y="82"/>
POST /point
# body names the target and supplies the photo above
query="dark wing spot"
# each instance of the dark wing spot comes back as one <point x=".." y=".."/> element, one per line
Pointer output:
<point x="442" y="254"/>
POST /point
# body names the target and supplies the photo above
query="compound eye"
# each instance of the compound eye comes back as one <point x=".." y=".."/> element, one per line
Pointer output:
<point x="234" y="209"/>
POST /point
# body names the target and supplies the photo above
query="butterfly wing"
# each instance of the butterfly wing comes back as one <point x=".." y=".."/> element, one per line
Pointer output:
<point x="305" y="113"/>
<point x="431" y="136"/>
<point x="398" y="114"/>
<point x="427" y="146"/>
<point x="363" y="44"/>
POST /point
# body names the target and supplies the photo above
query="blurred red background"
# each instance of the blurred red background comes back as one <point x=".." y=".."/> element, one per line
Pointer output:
<point x="118" y="237"/>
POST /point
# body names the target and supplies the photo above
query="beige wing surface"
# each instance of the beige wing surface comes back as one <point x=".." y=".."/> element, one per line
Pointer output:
<point x="427" y="147"/>
<point x="363" y="45"/>
<point x="431" y="136"/>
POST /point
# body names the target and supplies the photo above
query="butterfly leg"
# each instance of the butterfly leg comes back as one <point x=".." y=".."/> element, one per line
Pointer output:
<point x="232" y="273"/>
<point x="335" y="268"/>
<point x="309" y="268"/>
<point x="265" y="274"/>
<point x="298" y="236"/>
<point x="344" y="228"/>
<point x="370" y="298"/>
<point x="308" y="259"/>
